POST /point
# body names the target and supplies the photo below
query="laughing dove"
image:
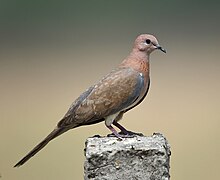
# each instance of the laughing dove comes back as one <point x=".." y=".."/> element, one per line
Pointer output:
<point x="116" y="93"/>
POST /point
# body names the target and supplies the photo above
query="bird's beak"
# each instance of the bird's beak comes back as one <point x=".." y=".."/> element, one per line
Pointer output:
<point x="160" y="48"/>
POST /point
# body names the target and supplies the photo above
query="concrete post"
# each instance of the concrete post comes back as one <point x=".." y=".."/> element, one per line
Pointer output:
<point x="136" y="158"/>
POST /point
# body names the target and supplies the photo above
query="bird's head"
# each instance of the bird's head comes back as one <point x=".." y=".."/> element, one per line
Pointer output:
<point x="147" y="43"/>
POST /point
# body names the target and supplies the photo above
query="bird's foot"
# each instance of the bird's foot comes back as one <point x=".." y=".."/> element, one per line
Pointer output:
<point x="123" y="134"/>
<point x="125" y="131"/>
<point x="130" y="133"/>
<point x="120" y="136"/>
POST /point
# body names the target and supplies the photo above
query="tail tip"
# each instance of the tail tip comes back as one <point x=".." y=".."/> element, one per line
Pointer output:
<point x="18" y="165"/>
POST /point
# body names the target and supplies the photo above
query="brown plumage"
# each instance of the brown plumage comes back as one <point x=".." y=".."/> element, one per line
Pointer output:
<point x="116" y="93"/>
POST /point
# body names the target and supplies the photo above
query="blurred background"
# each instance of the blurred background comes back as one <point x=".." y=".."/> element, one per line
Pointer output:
<point x="51" y="51"/>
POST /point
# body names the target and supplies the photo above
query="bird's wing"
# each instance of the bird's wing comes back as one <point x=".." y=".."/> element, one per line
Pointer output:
<point x="116" y="92"/>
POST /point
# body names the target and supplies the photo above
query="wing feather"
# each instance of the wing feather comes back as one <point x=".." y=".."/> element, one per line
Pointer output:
<point x="116" y="92"/>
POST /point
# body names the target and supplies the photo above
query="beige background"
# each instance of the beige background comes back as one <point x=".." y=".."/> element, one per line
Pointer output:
<point x="51" y="51"/>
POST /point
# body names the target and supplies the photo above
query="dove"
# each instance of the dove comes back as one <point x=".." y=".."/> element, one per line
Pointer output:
<point x="116" y="93"/>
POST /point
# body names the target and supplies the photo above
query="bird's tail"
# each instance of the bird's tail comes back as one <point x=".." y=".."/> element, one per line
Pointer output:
<point x="56" y="132"/>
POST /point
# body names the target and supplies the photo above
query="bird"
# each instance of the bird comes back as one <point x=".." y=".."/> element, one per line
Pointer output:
<point x="113" y="95"/>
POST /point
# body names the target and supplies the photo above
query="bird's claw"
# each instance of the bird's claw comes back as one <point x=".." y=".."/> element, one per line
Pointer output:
<point x="130" y="133"/>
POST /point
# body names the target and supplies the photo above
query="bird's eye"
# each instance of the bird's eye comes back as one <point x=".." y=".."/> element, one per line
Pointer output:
<point x="148" y="41"/>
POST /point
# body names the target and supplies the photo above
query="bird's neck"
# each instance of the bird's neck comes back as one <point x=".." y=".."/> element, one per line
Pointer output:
<point x="137" y="60"/>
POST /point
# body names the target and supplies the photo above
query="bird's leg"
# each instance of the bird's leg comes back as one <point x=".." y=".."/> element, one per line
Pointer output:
<point x="119" y="136"/>
<point x="123" y="130"/>
<point x="114" y="131"/>
<point x="112" y="119"/>
<point x="115" y="122"/>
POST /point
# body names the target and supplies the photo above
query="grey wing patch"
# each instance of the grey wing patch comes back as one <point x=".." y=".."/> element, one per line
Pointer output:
<point x="134" y="97"/>
<point x="141" y="99"/>
<point x="68" y="117"/>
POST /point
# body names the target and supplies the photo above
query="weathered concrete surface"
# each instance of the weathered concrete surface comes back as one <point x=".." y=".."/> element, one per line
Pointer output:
<point x="137" y="158"/>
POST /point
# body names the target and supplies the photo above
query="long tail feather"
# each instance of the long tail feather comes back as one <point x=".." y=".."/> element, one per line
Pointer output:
<point x="56" y="132"/>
